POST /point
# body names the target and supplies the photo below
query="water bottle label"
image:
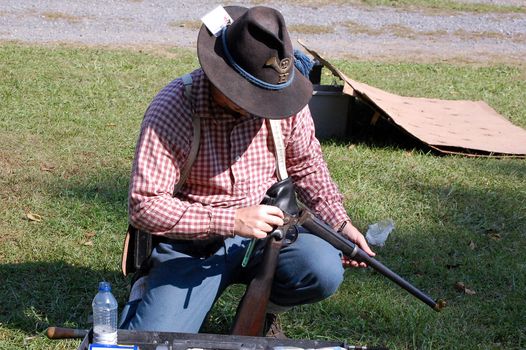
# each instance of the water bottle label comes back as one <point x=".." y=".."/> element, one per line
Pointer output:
<point x="102" y="337"/>
<point x="108" y="347"/>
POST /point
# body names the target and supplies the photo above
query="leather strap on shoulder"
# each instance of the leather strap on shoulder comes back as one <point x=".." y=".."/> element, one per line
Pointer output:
<point x="196" y="123"/>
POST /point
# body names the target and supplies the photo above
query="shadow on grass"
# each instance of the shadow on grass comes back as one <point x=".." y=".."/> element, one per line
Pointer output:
<point x="55" y="293"/>
<point x="57" y="290"/>
<point x="43" y="294"/>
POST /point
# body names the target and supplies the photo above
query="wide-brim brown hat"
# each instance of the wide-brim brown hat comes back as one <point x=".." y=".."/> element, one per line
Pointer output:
<point x="252" y="63"/>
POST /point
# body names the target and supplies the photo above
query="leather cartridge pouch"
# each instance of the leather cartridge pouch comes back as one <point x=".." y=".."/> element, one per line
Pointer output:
<point x="137" y="248"/>
<point x="138" y="245"/>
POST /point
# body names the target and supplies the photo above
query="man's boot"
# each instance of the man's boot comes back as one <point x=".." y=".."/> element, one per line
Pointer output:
<point x="272" y="327"/>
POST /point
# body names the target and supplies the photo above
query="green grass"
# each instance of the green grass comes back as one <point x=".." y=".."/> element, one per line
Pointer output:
<point x="69" y="119"/>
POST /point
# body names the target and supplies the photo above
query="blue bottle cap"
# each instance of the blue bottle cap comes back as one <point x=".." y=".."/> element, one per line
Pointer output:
<point x="104" y="287"/>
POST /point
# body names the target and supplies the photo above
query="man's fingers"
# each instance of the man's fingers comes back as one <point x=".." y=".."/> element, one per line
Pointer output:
<point x="355" y="236"/>
<point x="272" y="210"/>
<point x="259" y="234"/>
<point x="365" y="247"/>
<point x="264" y="227"/>
<point x="346" y="262"/>
<point x="274" y="222"/>
<point x="273" y="216"/>
<point x="257" y="221"/>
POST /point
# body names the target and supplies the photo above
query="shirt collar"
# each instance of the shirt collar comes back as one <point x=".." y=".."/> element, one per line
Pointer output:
<point x="206" y="107"/>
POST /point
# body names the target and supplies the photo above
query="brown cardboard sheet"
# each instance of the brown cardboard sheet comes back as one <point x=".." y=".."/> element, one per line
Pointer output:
<point x="450" y="126"/>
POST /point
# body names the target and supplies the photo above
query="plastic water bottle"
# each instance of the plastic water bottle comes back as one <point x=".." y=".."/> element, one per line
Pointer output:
<point x="377" y="233"/>
<point x="104" y="316"/>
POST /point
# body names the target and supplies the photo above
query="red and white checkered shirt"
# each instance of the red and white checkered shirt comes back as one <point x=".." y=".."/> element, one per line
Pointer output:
<point x="234" y="168"/>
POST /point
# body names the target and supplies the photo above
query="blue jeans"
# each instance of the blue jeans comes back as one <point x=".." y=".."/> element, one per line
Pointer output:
<point x="182" y="289"/>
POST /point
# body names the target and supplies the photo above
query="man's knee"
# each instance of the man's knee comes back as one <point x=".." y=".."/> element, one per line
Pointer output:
<point x="325" y="272"/>
<point x="310" y="269"/>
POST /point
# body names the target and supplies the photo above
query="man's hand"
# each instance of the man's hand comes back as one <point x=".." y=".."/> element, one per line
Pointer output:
<point x="356" y="237"/>
<point x="257" y="221"/>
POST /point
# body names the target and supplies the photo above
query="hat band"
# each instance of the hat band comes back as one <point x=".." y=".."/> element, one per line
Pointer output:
<point x="256" y="81"/>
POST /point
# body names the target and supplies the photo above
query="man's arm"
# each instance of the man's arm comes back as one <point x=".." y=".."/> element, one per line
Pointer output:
<point x="160" y="154"/>
<point x="314" y="185"/>
<point x="162" y="149"/>
<point x="152" y="207"/>
<point x="307" y="168"/>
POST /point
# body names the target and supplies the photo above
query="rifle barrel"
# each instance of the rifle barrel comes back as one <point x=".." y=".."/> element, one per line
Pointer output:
<point x="351" y="250"/>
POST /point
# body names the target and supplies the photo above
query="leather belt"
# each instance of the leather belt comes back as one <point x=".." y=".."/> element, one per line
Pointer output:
<point x="196" y="248"/>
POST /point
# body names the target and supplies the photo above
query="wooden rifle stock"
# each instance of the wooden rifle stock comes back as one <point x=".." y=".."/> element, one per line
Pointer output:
<point x="250" y="316"/>
<point x="251" y="312"/>
<point x="351" y="250"/>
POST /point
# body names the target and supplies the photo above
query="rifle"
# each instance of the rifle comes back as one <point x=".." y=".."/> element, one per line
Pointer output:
<point x="251" y="311"/>
<point x="351" y="250"/>
<point x="181" y="341"/>
<point x="282" y="195"/>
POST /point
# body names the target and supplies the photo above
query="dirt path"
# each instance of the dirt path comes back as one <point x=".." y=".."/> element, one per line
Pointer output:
<point x="348" y="31"/>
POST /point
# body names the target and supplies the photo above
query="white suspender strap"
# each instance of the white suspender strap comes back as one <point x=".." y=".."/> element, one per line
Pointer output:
<point x="196" y="123"/>
<point x="279" y="147"/>
<point x="275" y="128"/>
